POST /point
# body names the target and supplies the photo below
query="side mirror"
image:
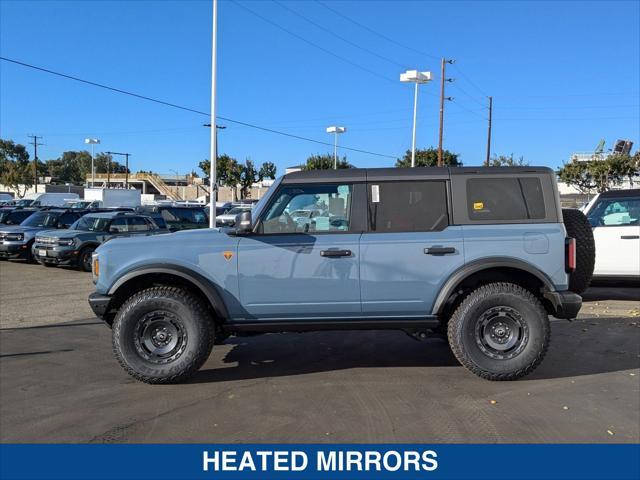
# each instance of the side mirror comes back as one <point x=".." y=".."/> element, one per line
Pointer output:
<point x="243" y="223"/>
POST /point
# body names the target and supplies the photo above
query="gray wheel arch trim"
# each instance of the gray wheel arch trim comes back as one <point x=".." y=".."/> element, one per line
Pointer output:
<point x="485" y="264"/>
<point x="205" y="286"/>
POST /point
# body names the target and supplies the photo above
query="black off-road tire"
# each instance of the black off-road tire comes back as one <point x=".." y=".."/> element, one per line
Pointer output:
<point x="181" y="306"/>
<point x="578" y="227"/>
<point x="468" y="345"/>
<point x="82" y="257"/>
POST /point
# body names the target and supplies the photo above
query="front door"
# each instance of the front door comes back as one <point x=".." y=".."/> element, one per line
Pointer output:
<point x="303" y="261"/>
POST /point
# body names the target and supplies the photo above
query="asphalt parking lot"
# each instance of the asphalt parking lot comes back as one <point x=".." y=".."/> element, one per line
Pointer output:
<point x="59" y="381"/>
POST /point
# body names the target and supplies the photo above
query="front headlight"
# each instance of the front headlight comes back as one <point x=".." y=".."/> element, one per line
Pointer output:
<point x="15" y="237"/>
<point x="65" y="242"/>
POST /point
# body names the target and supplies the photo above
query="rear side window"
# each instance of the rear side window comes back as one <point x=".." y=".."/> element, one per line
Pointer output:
<point x="137" y="224"/>
<point x="408" y="206"/>
<point x="510" y="198"/>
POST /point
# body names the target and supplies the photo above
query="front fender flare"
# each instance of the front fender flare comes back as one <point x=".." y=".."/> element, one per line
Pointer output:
<point x="208" y="289"/>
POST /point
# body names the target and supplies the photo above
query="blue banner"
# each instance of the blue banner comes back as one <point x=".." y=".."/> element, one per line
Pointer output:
<point x="297" y="462"/>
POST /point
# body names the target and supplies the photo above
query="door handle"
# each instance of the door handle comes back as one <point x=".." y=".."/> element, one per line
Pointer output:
<point x="335" y="253"/>
<point x="630" y="237"/>
<point x="439" y="250"/>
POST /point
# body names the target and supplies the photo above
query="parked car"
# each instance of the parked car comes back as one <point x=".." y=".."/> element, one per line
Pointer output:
<point x="76" y="245"/>
<point x="15" y="215"/>
<point x="615" y="218"/>
<point x="50" y="199"/>
<point x="228" y="219"/>
<point x="479" y="253"/>
<point x="16" y="240"/>
<point x="177" y="218"/>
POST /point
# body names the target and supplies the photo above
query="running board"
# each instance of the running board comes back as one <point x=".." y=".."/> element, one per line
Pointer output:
<point x="276" y="326"/>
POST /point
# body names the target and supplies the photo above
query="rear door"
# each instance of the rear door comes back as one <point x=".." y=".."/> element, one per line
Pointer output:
<point x="303" y="266"/>
<point x="410" y="248"/>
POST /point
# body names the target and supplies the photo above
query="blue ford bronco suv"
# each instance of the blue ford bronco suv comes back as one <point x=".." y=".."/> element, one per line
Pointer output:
<point x="479" y="254"/>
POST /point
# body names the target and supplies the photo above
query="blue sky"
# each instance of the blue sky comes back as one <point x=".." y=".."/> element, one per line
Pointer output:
<point x="563" y="75"/>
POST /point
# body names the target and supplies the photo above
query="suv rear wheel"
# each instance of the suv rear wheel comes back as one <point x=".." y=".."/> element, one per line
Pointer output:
<point x="162" y="335"/>
<point x="500" y="331"/>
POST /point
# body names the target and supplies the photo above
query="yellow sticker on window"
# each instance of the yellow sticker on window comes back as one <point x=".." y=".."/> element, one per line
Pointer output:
<point x="478" y="205"/>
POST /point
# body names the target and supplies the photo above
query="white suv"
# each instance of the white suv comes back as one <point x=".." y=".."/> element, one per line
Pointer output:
<point x="615" y="218"/>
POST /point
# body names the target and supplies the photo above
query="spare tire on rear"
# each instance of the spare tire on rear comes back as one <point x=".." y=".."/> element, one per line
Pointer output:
<point x="578" y="227"/>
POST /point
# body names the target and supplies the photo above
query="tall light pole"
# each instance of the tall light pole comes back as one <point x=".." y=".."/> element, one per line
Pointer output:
<point x="92" y="142"/>
<point x="414" y="76"/>
<point x="336" y="131"/>
<point x="213" y="137"/>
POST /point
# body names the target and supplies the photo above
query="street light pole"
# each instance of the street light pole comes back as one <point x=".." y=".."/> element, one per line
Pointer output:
<point x="213" y="137"/>
<point x="92" y="142"/>
<point x="414" y="76"/>
<point x="413" y="136"/>
<point x="336" y="131"/>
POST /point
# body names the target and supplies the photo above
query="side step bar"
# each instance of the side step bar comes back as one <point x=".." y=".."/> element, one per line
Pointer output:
<point x="277" y="326"/>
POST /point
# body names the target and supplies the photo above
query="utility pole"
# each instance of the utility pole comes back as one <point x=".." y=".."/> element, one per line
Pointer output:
<point x="486" y="162"/>
<point x="35" y="144"/>
<point x="443" y="79"/>
<point x="126" y="165"/>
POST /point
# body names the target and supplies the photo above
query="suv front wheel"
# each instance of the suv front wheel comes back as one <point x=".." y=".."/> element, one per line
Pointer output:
<point x="500" y="331"/>
<point x="162" y="335"/>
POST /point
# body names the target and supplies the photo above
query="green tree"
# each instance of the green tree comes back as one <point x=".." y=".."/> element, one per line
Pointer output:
<point x="71" y="167"/>
<point x="248" y="176"/>
<point x="504" y="161"/>
<point x="15" y="169"/>
<point x="429" y="158"/>
<point x="268" y="170"/>
<point x="325" y="162"/>
<point x="104" y="162"/>
<point x="600" y="175"/>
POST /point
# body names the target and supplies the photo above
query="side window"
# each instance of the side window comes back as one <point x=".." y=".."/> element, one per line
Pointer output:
<point x="509" y="198"/>
<point x="137" y="224"/>
<point x="66" y="219"/>
<point x="408" y="206"/>
<point x="309" y="209"/>
<point x="200" y="217"/>
<point x="611" y="212"/>
<point x="118" y="225"/>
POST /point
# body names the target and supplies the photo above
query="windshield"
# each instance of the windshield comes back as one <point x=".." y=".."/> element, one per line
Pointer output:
<point x="14" y="218"/>
<point x="91" y="224"/>
<point x="237" y="210"/>
<point x="42" y="219"/>
<point x="75" y="204"/>
<point x="257" y="209"/>
<point x="23" y="203"/>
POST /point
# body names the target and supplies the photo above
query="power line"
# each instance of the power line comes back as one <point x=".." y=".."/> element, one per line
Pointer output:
<point x="467" y="109"/>
<point x="375" y="32"/>
<point x="344" y="39"/>
<point x="173" y="105"/>
<point x="471" y="82"/>
<point x="315" y="45"/>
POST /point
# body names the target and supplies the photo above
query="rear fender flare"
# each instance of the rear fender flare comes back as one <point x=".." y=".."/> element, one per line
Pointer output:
<point x="485" y="264"/>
